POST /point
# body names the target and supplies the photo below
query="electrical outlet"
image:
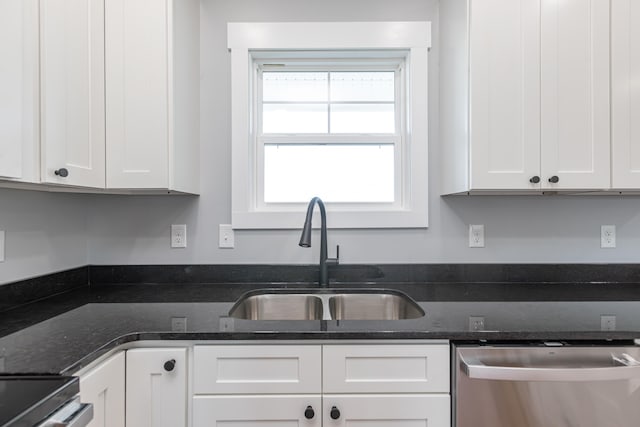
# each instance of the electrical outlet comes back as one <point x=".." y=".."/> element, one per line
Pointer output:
<point x="1" y="246"/>
<point x="178" y="235"/>
<point x="179" y="324"/>
<point x="476" y="236"/>
<point x="476" y="323"/>
<point x="607" y="323"/>
<point x="226" y="238"/>
<point x="608" y="236"/>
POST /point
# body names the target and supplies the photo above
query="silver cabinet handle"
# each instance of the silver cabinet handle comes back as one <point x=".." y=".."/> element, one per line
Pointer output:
<point x="74" y="414"/>
<point x="83" y="417"/>
<point x="474" y="368"/>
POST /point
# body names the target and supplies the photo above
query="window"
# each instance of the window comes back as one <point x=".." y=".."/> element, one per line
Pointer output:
<point x="336" y="110"/>
<point x="330" y="129"/>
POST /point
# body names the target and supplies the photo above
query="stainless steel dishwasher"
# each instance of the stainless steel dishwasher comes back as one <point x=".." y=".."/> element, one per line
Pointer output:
<point x="547" y="385"/>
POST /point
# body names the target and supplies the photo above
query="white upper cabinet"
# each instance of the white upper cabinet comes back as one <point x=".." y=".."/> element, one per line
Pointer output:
<point x="72" y="92"/>
<point x="625" y="93"/>
<point x="101" y="94"/>
<point x="504" y="83"/>
<point x="19" y="106"/>
<point x="575" y="94"/>
<point x="525" y="95"/>
<point x="152" y="95"/>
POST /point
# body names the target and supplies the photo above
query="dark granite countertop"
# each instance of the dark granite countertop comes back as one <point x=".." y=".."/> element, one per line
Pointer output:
<point x="66" y="332"/>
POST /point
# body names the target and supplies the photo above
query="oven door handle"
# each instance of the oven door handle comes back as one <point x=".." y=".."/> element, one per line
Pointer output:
<point x="475" y="369"/>
<point x="74" y="414"/>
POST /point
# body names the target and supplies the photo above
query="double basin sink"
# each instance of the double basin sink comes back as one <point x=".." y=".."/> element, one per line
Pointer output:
<point x="325" y="304"/>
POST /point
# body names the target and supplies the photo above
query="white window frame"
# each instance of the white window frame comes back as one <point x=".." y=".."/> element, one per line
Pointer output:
<point x="244" y="39"/>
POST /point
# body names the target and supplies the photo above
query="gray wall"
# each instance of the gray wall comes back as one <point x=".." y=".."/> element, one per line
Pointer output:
<point x="135" y="230"/>
<point x="45" y="233"/>
<point x="518" y="229"/>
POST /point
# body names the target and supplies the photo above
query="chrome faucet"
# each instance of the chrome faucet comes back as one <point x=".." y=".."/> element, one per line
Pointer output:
<point x="305" y="240"/>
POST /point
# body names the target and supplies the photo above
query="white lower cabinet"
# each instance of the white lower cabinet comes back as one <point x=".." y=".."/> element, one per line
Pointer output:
<point x="156" y="388"/>
<point x="274" y="385"/>
<point x="103" y="386"/>
<point x="321" y="385"/>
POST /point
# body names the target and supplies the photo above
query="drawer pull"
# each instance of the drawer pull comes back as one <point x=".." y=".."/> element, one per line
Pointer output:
<point x="62" y="172"/>
<point x="309" y="413"/>
<point x="335" y="413"/>
<point x="169" y="365"/>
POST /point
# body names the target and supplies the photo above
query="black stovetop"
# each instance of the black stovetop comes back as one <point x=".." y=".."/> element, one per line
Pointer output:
<point x="28" y="399"/>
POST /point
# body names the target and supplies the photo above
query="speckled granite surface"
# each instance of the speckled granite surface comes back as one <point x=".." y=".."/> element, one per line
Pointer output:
<point x="65" y="332"/>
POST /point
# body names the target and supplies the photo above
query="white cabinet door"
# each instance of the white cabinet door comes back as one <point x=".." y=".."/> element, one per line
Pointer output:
<point x="504" y="92"/>
<point x="388" y="410"/>
<point x="625" y="93"/>
<point x="103" y="386"/>
<point x="72" y="92"/>
<point x="137" y="76"/>
<point x="19" y="107"/>
<point x="156" y="396"/>
<point x="257" y="411"/>
<point x="575" y="94"/>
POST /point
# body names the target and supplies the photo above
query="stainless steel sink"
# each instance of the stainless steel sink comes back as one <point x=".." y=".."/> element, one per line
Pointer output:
<point x="374" y="306"/>
<point x="325" y="304"/>
<point x="278" y="306"/>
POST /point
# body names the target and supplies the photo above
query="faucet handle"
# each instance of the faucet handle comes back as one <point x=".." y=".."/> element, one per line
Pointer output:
<point x="336" y="260"/>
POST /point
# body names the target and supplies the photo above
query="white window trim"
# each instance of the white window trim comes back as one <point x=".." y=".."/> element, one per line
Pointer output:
<point x="412" y="36"/>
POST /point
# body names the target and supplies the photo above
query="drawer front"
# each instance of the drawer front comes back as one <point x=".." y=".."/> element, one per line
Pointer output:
<point x="258" y="411"/>
<point x="386" y="368"/>
<point x="387" y="410"/>
<point x="257" y="369"/>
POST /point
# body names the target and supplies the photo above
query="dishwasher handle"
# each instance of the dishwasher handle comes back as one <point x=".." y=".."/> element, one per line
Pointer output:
<point x="475" y="369"/>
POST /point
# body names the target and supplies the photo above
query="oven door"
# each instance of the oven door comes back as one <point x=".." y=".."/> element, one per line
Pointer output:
<point x="547" y="386"/>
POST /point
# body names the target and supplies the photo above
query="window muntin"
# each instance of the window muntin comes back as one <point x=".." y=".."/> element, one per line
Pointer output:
<point x="348" y="101"/>
<point x="330" y="129"/>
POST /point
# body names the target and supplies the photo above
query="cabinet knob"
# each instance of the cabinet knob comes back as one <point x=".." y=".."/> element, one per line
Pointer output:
<point x="62" y="172"/>
<point x="335" y="413"/>
<point x="309" y="413"/>
<point x="169" y="365"/>
<point x="534" y="179"/>
<point x="554" y="179"/>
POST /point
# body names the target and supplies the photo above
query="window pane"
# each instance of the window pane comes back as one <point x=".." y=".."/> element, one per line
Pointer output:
<point x="335" y="173"/>
<point x="362" y="118"/>
<point x="363" y="86"/>
<point x="294" y="118"/>
<point x="295" y="87"/>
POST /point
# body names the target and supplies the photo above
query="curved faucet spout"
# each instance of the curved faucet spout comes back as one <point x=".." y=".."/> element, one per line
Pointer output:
<point x="305" y="239"/>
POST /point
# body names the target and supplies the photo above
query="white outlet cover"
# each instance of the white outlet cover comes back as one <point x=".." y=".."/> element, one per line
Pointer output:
<point x="178" y="235"/>
<point x="1" y="245"/>
<point x="476" y="236"/>
<point x="226" y="237"/>
<point x="608" y="236"/>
